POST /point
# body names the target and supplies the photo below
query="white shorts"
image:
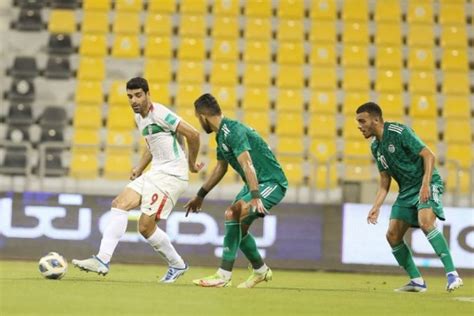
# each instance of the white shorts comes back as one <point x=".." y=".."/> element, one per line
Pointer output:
<point x="159" y="192"/>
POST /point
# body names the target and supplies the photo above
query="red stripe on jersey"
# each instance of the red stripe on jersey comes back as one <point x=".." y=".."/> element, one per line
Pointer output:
<point x="160" y="209"/>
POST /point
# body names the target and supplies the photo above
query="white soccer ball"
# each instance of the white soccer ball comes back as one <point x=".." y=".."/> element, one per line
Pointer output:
<point x="53" y="266"/>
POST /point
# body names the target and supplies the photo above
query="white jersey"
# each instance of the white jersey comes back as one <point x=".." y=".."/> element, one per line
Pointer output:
<point x="159" y="130"/>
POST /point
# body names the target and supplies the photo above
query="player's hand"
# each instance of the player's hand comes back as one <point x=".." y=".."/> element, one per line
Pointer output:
<point x="424" y="193"/>
<point x="135" y="173"/>
<point x="373" y="215"/>
<point x="193" y="205"/>
<point x="257" y="205"/>
<point x="195" y="168"/>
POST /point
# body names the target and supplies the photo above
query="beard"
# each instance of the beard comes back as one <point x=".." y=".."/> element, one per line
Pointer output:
<point x="205" y="125"/>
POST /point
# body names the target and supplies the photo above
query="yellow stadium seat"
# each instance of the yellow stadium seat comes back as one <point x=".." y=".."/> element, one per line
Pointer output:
<point x="290" y="53"/>
<point x="161" y="6"/>
<point x="158" y="24"/>
<point x="392" y="104"/>
<point x="193" y="6"/>
<point x="426" y="129"/>
<point x="118" y="94"/>
<point x="290" y="76"/>
<point x="420" y="12"/>
<point x="258" y="29"/>
<point x="223" y="73"/>
<point x="291" y="9"/>
<point x="260" y="8"/>
<point x="323" y="10"/>
<point x="356" y="79"/>
<point x="225" y="27"/>
<point x="456" y="83"/>
<point x="126" y="46"/>
<point x="388" y="34"/>
<point x="423" y="106"/>
<point x="323" y="150"/>
<point x="211" y="161"/>
<point x="290" y="124"/>
<point x="256" y="75"/>
<point x="454" y="36"/>
<point x="158" y="47"/>
<point x="452" y="13"/>
<point x="126" y="23"/>
<point x="225" y="50"/>
<point x="455" y="106"/>
<point x="460" y="153"/>
<point x="322" y="31"/>
<point x="289" y="100"/>
<point x="323" y="78"/>
<point x="352" y="100"/>
<point x="357" y="148"/>
<point x="95" y="22"/>
<point x="355" y="11"/>
<point x="192" y="48"/>
<point x="88" y="116"/>
<point x="420" y="35"/>
<point x="260" y="121"/>
<point x="355" y="56"/>
<point x="323" y="55"/>
<point x="387" y="11"/>
<point x="458" y="131"/>
<point x="388" y="80"/>
<point x="325" y="176"/>
<point x="84" y="163"/>
<point x="322" y="126"/>
<point x="120" y="118"/>
<point x="128" y="5"/>
<point x="389" y="57"/>
<point x="118" y="164"/>
<point x="157" y="70"/>
<point x="421" y="58"/>
<point x="454" y="59"/>
<point x="350" y="129"/>
<point x="119" y="139"/>
<point x="293" y="168"/>
<point x="187" y="94"/>
<point x="256" y="99"/>
<point x="226" y="96"/>
<point x="89" y="92"/>
<point x="91" y="69"/>
<point x="356" y="33"/>
<point x="226" y="8"/>
<point x="358" y="169"/>
<point x="93" y="45"/>
<point x="192" y="25"/>
<point x="257" y="52"/>
<point x="188" y="115"/>
<point x="62" y="21"/>
<point x="160" y="92"/>
<point x="422" y="82"/>
<point x="323" y="102"/>
<point x="96" y="5"/>
<point x="290" y="30"/>
<point x="86" y="138"/>
<point x="190" y="72"/>
<point x="458" y="179"/>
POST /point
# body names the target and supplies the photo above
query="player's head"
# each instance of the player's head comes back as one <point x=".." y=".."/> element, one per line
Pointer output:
<point x="206" y="106"/>
<point x="138" y="94"/>
<point x="369" y="117"/>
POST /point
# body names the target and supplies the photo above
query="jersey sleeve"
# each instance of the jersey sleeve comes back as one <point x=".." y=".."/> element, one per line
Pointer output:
<point x="238" y="141"/>
<point x="411" y="141"/>
<point x="167" y="119"/>
<point x="373" y="149"/>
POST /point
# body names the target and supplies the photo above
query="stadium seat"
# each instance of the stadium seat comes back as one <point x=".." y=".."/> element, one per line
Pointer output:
<point x="387" y="11"/>
<point x="96" y="5"/>
<point x="118" y="94"/>
<point x="350" y="130"/>
<point x="29" y="20"/>
<point x="256" y="75"/>
<point x="87" y="116"/>
<point x="294" y="169"/>
<point x="120" y="118"/>
<point x="191" y="48"/>
<point x="290" y="76"/>
<point x="323" y="31"/>
<point x="190" y="72"/>
<point x="256" y="99"/>
<point x="226" y="8"/>
<point x="187" y="94"/>
<point x="259" y="120"/>
<point x="158" y="70"/>
<point x="188" y="115"/>
<point x="91" y="69"/>
<point x="388" y="57"/>
<point x="192" y="26"/>
<point x="86" y="138"/>
<point x="323" y="150"/>
<point x="356" y="79"/>
<point x="322" y="126"/>
<point x="58" y="67"/>
<point x="19" y="114"/>
<point x="225" y="50"/>
<point x="31" y="4"/>
<point x="420" y="35"/>
<point x="160" y="92"/>
<point x="289" y="100"/>
<point x="226" y="96"/>
<point x="359" y="149"/>
<point x="62" y="21"/>
<point x="158" y="24"/>
<point x="260" y="8"/>
<point x="355" y="33"/>
<point x="89" y="92"/>
<point x="458" y="131"/>
<point x="392" y="105"/>
<point x="458" y="179"/>
<point x="323" y="78"/>
<point x="289" y="124"/>
<point x="421" y="58"/>
<point x="161" y="6"/>
<point x="388" y="80"/>
<point x="456" y="107"/>
<point x="290" y="9"/>
<point x="84" y="163"/>
<point x="158" y="47"/>
<point x="290" y="30"/>
<point x="223" y="73"/>
<point x="423" y="106"/>
<point x="93" y="45"/>
<point x="323" y="10"/>
<point x="323" y="55"/>
<point x="126" y="46"/>
<point x="325" y="176"/>
<point x="355" y="56"/>
<point x="454" y="36"/>
<point x="323" y="102"/>
<point x="193" y="6"/>
<point x="225" y="27"/>
<point x="60" y="44"/>
<point x="452" y="13"/>
<point x="352" y="100"/>
<point x="24" y="67"/>
<point x="355" y="11"/>
<point x="22" y="90"/>
<point x="118" y="164"/>
<point x="258" y="29"/>
<point x="456" y="83"/>
<point x="426" y="129"/>
<point x="422" y="82"/>
<point x="460" y="153"/>
<point x="134" y="6"/>
<point x="420" y="12"/>
<point x="53" y="116"/>
<point x="257" y="52"/>
<point x="454" y="60"/>
<point x="126" y="23"/>
<point x="388" y="34"/>
<point x="290" y="53"/>
<point x="95" y="22"/>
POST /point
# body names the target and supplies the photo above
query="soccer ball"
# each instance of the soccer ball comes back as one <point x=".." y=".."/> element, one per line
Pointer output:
<point x="53" y="266"/>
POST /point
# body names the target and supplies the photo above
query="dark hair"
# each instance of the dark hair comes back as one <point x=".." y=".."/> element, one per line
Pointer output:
<point x="138" y="83"/>
<point x="370" y="107"/>
<point x="207" y="104"/>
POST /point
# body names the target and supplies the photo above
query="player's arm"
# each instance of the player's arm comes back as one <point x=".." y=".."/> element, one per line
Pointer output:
<point x="428" y="165"/>
<point x="192" y="142"/>
<point x="142" y="164"/>
<point x="382" y="192"/>
<point x="246" y="163"/>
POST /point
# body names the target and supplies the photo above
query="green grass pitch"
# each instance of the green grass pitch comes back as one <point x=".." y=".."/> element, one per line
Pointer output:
<point x="134" y="290"/>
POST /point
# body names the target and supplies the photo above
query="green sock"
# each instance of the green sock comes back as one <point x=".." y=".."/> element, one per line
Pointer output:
<point x="250" y="250"/>
<point x="440" y="246"/>
<point x="405" y="259"/>
<point x="231" y="244"/>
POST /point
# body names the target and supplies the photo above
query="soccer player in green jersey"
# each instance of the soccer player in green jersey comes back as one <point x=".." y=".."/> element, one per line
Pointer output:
<point x="401" y="155"/>
<point x="265" y="186"/>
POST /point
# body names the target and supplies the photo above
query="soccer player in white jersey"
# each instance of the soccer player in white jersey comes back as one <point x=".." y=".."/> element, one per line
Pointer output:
<point x="155" y="191"/>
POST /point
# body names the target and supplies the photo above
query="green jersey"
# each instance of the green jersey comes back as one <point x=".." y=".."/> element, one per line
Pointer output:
<point x="398" y="153"/>
<point x="234" y="138"/>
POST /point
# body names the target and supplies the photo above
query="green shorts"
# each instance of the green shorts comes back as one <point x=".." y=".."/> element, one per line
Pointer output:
<point x="406" y="209"/>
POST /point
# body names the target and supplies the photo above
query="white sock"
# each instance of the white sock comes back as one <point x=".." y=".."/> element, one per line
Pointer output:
<point x="224" y="273"/>
<point x="453" y="272"/>
<point x="160" y="241"/>
<point x="262" y="269"/>
<point x="114" y="230"/>
<point x="418" y="280"/>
